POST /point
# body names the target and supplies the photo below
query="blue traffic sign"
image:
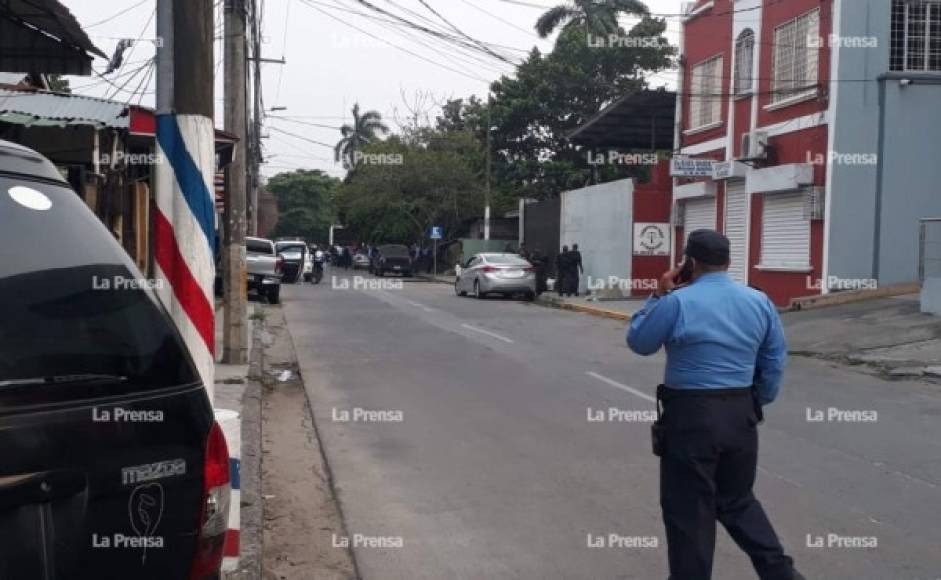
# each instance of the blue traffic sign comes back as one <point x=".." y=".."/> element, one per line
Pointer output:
<point x="436" y="233"/>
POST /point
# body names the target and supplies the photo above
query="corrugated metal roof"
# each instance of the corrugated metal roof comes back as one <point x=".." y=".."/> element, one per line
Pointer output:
<point x="44" y="109"/>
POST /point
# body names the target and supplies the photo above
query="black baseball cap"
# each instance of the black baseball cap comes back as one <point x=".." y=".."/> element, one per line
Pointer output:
<point x="709" y="247"/>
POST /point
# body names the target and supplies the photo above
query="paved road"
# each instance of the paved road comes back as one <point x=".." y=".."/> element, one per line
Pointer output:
<point x="495" y="470"/>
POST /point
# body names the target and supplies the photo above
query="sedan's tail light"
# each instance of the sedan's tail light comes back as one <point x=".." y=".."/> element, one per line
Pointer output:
<point x="279" y="265"/>
<point x="529" y="270"/>
<point x="490" y="269"/>
<point x="214" y="514"/>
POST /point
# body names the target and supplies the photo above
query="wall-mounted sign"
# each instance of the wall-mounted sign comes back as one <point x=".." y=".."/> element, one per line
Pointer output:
<point x="651" y="239"/>
<point x="682" y="166"/>
<point x="728" y="169"/>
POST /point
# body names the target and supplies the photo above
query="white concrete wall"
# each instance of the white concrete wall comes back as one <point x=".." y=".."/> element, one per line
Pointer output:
<point x="599" y="219"/>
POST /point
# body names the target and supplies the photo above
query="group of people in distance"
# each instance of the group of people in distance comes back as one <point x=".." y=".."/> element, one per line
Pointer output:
<point x="568" y="265"/>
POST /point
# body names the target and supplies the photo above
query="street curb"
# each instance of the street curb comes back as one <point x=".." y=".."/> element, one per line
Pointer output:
<point x="850" y="296"/>
<point x="252" y="506"/>
<point x="584" y="309"/>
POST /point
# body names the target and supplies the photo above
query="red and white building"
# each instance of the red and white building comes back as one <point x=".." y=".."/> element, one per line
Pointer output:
<point x="753" y="110"/>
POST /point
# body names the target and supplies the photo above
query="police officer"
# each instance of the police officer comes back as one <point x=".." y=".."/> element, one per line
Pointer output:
<point x="725" y="358"/>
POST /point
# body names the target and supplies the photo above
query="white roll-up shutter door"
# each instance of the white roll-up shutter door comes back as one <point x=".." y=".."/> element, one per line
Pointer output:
<point x="785" y="232"/>
<point x="699" y="214"/>
<point x="736" y="228"/>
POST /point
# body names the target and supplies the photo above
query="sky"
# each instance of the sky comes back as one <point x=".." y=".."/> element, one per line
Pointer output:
<point x="338" y="54"/>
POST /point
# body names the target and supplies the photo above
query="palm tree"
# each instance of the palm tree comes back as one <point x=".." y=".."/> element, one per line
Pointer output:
<point x="364" y="130"/>
<point x="598" y="16"/>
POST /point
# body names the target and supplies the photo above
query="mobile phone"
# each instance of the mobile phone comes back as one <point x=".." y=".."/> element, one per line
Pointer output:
<point x="686" y="272"/>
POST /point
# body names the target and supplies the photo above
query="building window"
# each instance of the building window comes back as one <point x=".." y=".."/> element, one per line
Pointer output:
<point x="916" y="36"/>
<point x="796" y="56"/>
<point x="785" y="232"/>
<point x="705" y="103"/>
<point x="744" y="61"/>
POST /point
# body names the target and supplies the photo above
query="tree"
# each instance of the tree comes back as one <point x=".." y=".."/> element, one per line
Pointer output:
<point x="433" y="178"/>
<point x="306" y="203"/>
<point x="598" y="17"/>
<point x="364" y="130"/>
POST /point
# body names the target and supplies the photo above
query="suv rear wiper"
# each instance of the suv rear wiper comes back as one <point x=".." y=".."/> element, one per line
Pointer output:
<point x="63" y="380"/>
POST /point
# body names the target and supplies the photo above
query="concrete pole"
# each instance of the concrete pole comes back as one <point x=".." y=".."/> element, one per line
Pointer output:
<point x="235" y="314"/>
<point x="185" y="219"/>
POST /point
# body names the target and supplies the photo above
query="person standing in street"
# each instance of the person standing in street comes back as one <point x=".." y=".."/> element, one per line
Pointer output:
<point x="726" y="354"/>
<point x="577" y="268"/>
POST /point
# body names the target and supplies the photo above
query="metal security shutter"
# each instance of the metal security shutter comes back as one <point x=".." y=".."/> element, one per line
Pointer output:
<point x="736" y="228"/>
<point x="785" y="232"/>
<point x="699" y="214"/>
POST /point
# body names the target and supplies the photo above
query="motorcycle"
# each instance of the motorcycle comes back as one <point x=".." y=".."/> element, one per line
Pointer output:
<point x="319" y="259"/>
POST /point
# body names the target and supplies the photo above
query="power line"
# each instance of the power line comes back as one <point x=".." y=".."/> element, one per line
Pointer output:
<point x="112" y="17"/>
<point x="310" y="4"/>
<point x="301" y="137"/>
<point x="462" y="33"/>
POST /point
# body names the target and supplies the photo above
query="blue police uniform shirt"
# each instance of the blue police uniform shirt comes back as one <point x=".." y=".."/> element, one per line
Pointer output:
<point x="718" y="334"/>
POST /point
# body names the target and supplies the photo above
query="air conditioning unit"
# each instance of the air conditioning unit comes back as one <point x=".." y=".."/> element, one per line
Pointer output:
<point x="754" y="145"/>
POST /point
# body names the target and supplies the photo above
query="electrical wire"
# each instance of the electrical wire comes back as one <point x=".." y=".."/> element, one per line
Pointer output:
<point x="112" y="17"/>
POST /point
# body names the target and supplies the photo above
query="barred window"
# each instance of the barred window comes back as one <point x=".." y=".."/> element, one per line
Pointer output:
<point x="744" y="61"/>
<point x="705" y="103"/>
<point x="796" y="56"/>
<point x="916" y="36"/>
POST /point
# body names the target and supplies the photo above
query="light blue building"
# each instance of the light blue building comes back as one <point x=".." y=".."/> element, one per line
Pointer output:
<point x="884" y="165"/>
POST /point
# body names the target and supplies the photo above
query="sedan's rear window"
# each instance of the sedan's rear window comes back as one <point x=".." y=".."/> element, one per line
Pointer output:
<point x="72" y="304"/>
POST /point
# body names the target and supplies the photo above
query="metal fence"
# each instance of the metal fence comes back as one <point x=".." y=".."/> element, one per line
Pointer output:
<point x="929" y="248"/>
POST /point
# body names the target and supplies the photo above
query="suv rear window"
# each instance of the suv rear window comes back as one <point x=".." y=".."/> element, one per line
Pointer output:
<point x="259" y="247"/>
<point x="73" y="304"/>
<point x="394" y="251"/>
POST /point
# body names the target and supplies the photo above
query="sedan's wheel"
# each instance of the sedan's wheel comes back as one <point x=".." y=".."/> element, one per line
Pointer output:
<point x="477" y="293"/>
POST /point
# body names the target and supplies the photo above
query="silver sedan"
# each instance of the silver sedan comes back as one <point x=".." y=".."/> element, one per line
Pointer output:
<point x="505" y="274"/>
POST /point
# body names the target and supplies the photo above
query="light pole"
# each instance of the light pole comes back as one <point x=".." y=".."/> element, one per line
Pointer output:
<point x="332" y="228"/>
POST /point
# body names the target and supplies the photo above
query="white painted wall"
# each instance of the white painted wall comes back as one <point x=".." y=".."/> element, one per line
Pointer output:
<point x="599" y="219"/>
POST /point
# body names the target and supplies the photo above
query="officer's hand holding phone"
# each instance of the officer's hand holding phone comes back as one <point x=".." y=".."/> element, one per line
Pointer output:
<point x="674" y="278"/>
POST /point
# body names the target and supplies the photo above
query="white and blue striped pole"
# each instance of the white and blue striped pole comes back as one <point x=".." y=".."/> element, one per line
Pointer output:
<point x="184" y="221"/>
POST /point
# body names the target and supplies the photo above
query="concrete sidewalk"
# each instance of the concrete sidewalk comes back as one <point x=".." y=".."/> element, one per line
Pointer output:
<point x="237" y="403"/>
<point x="889" y="336"/>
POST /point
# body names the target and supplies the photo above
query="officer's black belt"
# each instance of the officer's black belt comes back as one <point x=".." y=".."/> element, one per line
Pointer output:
<point x="666" y="393"/>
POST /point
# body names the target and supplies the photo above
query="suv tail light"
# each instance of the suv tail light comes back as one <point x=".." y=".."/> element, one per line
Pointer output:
<point x="214" y="514"/>
<point x="279" y="265"/>
<point x="491" y="269"/>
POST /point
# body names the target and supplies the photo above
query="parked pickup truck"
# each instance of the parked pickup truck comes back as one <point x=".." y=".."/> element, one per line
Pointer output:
<point x="265" y="268"/>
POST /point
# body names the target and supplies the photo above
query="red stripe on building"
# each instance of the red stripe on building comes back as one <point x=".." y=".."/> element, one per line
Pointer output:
<point x="186" y="289"/>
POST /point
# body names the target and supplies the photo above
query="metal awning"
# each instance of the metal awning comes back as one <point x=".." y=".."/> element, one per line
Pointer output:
<point x="43" y="109"/>
<point x="640" y="120"/>
<point x="42" y="36"/>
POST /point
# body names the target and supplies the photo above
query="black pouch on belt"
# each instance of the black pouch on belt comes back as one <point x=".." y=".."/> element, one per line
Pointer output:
<point x="657" y="430"/>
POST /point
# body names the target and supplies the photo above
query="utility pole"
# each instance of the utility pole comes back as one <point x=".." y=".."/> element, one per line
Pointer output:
<point x="489" y="147"/>
<point x="256" y="126"/>
<point x="235" y="291"/>
<point x="184" y="221"/>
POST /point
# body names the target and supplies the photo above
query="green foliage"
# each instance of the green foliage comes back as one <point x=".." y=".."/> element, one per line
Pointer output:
<point x="438" y="182"/>
<point x="598" y="16"/>
<point x="306" y="203"/>
<point x="364" y="130"/>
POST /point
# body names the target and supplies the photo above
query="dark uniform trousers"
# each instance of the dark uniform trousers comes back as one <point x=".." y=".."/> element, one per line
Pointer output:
<point x="707" y="470"/>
